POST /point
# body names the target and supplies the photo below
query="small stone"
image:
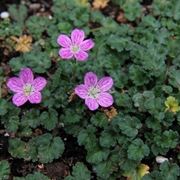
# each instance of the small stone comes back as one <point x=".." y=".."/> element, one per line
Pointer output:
<point x="4" y="15"/>
<point x="161" y="159"/>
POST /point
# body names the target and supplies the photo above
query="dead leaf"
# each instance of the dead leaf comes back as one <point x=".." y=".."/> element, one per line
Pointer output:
<point x="100" y="4"/>
<point x="23" y="43"/>
<point x="111" y="113"/>
<point x="121" y="18"/>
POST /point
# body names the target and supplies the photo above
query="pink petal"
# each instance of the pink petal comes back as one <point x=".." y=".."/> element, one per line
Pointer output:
<point x="81" y="91"/>
<point x="64" y="41"/>
<point x="90" y="79"/>
<point x="81" y="55"/>
<point x="87" y="45"/>
<point x="91" y="104"/>
<point x="19" y="99"/>
<point x="39" y="83"/>
<point x="77" y="36"/>
<point x="35" y="98"/>
<point x="105" y="99"/>
<point x="105" y="83"/>
<point x="65" y="53"/>
<point x="15" y="84"/>
<point x="26" y="75"/>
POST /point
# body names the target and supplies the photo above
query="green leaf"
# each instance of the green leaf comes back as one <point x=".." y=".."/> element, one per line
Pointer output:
<point x="127" y="125"/>
<point x="137" y="150"/>
<point x="30" y="59"/>
<point x="99" y="120"/>
<point x="107" y="139"/>
<point x="87" y="138"/>
<point x="48" y="147"/>
<point x="34" y="176"/>
<point x="97" y="156"/>
<point x="49" y="119"/>
<point x="4" y="170"/>
<point x="18" y="13"/>
<point x="3" y="107"/>
<point x="79" y="172"/>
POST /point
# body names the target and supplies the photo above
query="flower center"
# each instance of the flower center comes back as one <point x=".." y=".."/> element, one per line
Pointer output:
<point x="28" y="89"/>
<point x="94" y="92"/>
<point x="75" y="48"/>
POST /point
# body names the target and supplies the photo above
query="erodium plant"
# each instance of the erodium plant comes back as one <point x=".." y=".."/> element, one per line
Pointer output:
<point x="134" y="53"/>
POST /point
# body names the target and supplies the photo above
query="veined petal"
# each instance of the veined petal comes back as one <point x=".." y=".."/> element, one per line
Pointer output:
<point x="91" y="104"/>
<point x="35" y="98"/>
<point x="81" y="55"/>
<point x="90" y="79"/>
<point x="39" y="83"/>
<point x="105" y="83"/>
<point x="77" y="36"/>
<point x="65" y="53"/>
<point x="26" y="75"/>
<point x="81" y="91"/>
<point x="105" y="99"/>
<point x="64" y="41"/>
<point x="15" y="84"/>
<point x="19" y="99"/>
<point x="87" y="45"/>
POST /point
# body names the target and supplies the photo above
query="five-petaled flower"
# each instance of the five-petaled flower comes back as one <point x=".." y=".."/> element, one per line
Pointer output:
<point x="95" y="92"/>
<point x="26" y="87"/>
<point x="75" y="46"/>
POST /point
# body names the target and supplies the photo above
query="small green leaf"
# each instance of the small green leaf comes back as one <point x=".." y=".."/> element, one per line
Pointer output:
<point x="137" y="150"/>
<point x="79" y="172"/>
<point x="4" y="170"/>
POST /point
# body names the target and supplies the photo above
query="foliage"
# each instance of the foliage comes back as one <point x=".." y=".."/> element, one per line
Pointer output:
<point x="79" y="172"/>
<point x="141" y="55"/>
<point x="4" y="170"/>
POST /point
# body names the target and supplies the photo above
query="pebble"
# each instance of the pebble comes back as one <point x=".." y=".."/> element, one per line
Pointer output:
<point x="161" y="159"/>
<point x="4" y="15"/>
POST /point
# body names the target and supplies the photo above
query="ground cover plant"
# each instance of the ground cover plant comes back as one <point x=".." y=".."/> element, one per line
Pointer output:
<point x="90" y="90"/>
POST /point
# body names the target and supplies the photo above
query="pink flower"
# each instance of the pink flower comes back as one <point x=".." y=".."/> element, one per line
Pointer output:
<point x="76" y="46"/>
<point x="95" y="92"/>
<point x="26" y="87"/>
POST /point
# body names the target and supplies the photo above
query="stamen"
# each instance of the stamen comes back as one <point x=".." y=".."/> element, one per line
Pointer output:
<point x="94" y="92"/>
<point x="28" y="89"/>
<point x="75" y="48"/>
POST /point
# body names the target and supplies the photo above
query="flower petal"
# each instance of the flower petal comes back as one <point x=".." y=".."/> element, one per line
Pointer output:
<point x="105" y="83"/>
<point x="64" y="41"/>
<point x="81" y="55"/>
<point x="90" y="79"/>
<point x="15" y="84"/>
<point x="81" y="91"/>
<point x="19" y="99"/>
<point x="26" y="75"/>
<point x="65" y="53"/>
<point x="87" y="45"/>
<point x="91" y="104"/>
<point x="35" y="98"/>
<point x="105" y="99"/>
<point x="39" y="83"/>
<point x="77" y="36"/>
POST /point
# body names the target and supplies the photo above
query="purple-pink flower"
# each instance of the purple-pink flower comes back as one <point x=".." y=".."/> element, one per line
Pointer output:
<point x="26" y="88"/>
<point x="95" y="92"/>
<point x="75" y="46"/>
